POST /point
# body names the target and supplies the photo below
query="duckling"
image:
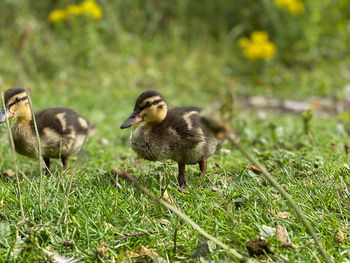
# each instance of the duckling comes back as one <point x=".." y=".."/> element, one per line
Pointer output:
<point x="178" y="134"/>
<point x="62" y="131"/>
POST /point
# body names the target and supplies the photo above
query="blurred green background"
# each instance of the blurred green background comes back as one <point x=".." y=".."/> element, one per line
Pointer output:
<point x="182" y="46"/>
<point x="97" y="57"/>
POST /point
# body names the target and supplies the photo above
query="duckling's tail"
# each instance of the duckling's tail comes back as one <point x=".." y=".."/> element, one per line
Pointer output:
<point x="91" y="130"/>
<point x="220" y="128"/>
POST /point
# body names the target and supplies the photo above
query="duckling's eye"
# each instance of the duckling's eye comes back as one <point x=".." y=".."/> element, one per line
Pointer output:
<point x="17" y="99"/>
<point x="148" y="104"/>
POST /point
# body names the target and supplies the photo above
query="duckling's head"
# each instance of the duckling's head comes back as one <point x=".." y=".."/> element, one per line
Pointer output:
<point x="150" y="107"/>
<point x="16" y="105"/>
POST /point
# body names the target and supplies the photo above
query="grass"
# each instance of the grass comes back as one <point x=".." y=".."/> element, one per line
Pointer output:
<point x="232" y="204"/>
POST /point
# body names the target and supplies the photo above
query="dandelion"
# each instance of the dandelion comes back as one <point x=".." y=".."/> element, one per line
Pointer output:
<point x="75" y="10"/>
<point x="90" y="7"/>
<point x="259" y="37"/>
<point x="295" y="7"/>
<point x="243" y="42"/>
<point x="258" y="46"/>
<point x="57" y="15"/>
<point x="87" y="7"/>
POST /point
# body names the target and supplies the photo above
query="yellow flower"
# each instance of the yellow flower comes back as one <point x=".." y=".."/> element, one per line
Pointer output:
<point x="259" y="36"/>
<point x="88" y="7"/>
<point x="243" y="42"/>
<point x="268" y="50"/>
<point x="252" y="51"/>
<point x="74" y="10"/>
<point x="295" y="7"/>
<point x="258" y="46"/>
<point x="92" y="8"/>
<point x="57" y="15"/>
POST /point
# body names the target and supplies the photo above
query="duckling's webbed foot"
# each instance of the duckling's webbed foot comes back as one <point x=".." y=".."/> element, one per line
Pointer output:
<point x="64" y="160"/>
<point x="181" y="177"/>
<point x="47" y="165"/>
<point x="203" y="167"/>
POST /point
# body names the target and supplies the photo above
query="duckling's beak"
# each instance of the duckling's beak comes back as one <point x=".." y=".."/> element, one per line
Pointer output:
<point x="133" y="119"/>
<point x="3" y="114"/>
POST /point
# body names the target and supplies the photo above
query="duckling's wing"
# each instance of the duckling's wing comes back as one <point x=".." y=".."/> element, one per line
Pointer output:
<point x="63" y="121"/>
<point x="62" y="131"/>
<point x="185" y="121"/>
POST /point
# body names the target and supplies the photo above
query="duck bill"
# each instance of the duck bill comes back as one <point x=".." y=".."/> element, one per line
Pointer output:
<point x="133" y="119"/>
<point x="3" y="113"/>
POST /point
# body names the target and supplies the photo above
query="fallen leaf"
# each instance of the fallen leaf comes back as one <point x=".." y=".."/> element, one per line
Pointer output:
<point x="144" y="252"/>
<point x="108" y="226"/>
<point x="281" y="234"/>
<point x="340" y="236"/>
<point x="255" y="169"/>
<point x="169" y="198"/>
<point x="283" y="214"/>
<point x="307" y="182"/>
<point x="102" y="251"/>
<point x="9" y="173"/>
<point x="149" y="252"/>
<point x="164" y="222"/>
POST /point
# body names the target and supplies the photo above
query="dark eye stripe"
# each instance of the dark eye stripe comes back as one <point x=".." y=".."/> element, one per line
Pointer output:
<point x="17" y="100"/>
<point x="156" y="102"/>
<point x="149" y="104"/>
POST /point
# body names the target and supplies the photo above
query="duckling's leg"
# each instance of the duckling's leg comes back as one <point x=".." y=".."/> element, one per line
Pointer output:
<point x="64" y="160"/>
<point x="203" y="167"/>
<point x="181" y="177"/>
<point x="47" y="164"/>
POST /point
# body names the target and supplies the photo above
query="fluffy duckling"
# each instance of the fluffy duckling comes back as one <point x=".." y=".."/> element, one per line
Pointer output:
<point x="62" y="131"/>
<point x="178" y="134"/>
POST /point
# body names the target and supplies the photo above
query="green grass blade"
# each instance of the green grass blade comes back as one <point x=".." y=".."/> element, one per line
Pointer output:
<point x="289" y="199"/>
<point x="180" y="214"/>
<point x="14" y="160"/>
<point x="39" y="150"/>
